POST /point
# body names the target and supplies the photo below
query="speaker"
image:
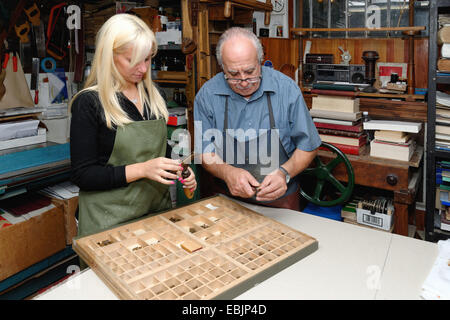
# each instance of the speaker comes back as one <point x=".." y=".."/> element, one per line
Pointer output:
<point x="309" y="73"/>
<point x="357" y="73"/>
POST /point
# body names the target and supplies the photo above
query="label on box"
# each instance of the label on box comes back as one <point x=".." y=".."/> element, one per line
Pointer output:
<point x="376" y="220"/>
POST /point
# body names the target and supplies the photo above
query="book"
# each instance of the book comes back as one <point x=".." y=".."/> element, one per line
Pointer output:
<point x="443" y="35"/>
<point x="338" y="122"/>
<point x="442" y="145"/>
<point x="412" y="127"/>
<point x="442" y="98"/>
<point x="443" y="64"/>
<point x="354" y="150"/>
<point x="394" y="151"/>
<point x="392" y="136"/>
<point x="442" y="120"/>
<point x="349" y="210"/>
<point x="335" y="103"/>
<point x="441" y="129"/>
<point x="347" y="116"/>
<point x="355" y="128"/>
<point x="445" y="50"/>
<point x="339" y="132"/>
<point x="442" y="137"/>
<point x="350" y="141"/>
<point x="445" y="223"/>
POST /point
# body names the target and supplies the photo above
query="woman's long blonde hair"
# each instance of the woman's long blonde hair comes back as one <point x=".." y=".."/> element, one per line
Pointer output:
<point x="116" y="35"/>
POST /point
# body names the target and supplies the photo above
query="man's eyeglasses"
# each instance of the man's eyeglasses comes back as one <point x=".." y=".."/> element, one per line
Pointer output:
<point x="237" y="80"/>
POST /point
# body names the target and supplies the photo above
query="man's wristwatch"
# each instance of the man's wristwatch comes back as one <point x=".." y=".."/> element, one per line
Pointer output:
<point x="288" y="177"/>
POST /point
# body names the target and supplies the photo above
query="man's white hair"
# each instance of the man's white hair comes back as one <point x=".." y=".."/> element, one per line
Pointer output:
<point x="236" y="32"/>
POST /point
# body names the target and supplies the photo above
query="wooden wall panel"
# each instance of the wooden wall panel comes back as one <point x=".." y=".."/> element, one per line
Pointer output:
<point x="281" y="51"/>
<point x="389" y="50"/>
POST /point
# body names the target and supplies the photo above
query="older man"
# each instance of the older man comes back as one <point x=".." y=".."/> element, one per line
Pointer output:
<point x="252" y="126"/>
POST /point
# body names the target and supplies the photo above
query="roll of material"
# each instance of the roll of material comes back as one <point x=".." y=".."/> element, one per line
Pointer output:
<point x="44" y="64"/>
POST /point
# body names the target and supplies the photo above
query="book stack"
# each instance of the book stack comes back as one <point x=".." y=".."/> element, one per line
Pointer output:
<point x="393" y="139"/>
<point x="445" y="219"/>
<point x="443" y="37"/>
<point x="338" y="121"/>
<point x="443" y="193"/>
<point x="442" y="182"/>
<point x="348" y="212"/>
<point x="442" y="133"/>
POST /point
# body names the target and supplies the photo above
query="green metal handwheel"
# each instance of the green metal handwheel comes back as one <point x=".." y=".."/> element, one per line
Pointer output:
<point x="322" y="175"/>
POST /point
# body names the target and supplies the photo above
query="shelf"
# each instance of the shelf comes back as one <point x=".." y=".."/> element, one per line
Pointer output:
<point x="169" y="47"/>
<point x="170" y="81"/>
<point x="434" y="155"/>
<point x="247" y="4"/>
<point x="414" y="29"/>
<point x="443" y="79"/>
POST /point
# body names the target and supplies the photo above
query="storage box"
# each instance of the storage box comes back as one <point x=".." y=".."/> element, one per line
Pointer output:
<point x="376" y="220"/>
<point x="69" y="207"/>
<point x="58" y="130"/>
<point x="26" y="243"/>
<point x="177" y="116"/>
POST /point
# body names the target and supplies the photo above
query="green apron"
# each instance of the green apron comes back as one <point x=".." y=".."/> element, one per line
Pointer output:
<point x="135" y="142"/>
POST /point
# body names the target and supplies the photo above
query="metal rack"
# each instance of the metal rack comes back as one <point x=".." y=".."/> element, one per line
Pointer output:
<point x="433" y="233"/>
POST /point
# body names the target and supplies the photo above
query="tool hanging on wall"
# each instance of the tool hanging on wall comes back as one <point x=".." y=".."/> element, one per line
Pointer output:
<point x="34" y="83"/>
<point x="56" y="43"/>
<point x="22" y="28"/>
<point x="37" y="27"/>
<point x="79" y="52"/>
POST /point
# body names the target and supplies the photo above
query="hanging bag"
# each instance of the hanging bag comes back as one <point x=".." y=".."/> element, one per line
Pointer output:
<point x="17" y="93"/>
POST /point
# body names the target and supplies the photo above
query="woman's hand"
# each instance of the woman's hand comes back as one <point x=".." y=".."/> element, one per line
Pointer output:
<point x="190" y="181"/>
<point x="162" y="170"/>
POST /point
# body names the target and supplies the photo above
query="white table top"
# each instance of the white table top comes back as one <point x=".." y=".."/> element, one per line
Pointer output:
<point x="352" y="262"/>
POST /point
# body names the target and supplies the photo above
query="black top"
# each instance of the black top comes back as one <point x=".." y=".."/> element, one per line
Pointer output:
<point x="92" y="142"/>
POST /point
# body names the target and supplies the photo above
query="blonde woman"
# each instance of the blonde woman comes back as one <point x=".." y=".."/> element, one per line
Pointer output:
<point x="118" y="131"/>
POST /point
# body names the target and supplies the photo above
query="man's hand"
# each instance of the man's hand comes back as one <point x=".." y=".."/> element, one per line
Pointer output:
<point x="240" y="182"/>
<point x="272" y="187"/>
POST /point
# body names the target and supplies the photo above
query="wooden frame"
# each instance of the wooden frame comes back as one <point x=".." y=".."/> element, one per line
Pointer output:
<point x="212" y="249"/>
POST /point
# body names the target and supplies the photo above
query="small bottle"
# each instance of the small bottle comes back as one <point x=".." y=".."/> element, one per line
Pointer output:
<point x="185" y="174"/>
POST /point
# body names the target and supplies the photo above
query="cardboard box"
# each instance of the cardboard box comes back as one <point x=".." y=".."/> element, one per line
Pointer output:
<point x="26" y="243"/>
<point x="69" y="207"/>
<point x="376" y="220"/>
<point x="177" y="116"/>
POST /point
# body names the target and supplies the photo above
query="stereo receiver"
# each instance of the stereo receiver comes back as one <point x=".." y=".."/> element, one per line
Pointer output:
<point x="353" y="73"/>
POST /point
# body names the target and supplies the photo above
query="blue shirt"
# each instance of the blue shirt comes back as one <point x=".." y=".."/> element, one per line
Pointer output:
<point x="292" y="118"/>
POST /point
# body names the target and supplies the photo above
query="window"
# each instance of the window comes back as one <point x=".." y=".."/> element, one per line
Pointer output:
<point x="359" y="14"/>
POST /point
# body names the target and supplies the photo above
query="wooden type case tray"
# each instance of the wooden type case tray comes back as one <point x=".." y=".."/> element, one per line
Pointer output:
<point x="212" y="249"/>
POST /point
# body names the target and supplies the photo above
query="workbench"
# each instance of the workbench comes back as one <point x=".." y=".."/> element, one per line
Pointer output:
<point x="352" y="262"/>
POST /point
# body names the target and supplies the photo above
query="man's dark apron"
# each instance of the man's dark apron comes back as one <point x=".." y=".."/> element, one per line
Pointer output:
<point x="258" y="164"/>
<point x="135" y="142"/>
